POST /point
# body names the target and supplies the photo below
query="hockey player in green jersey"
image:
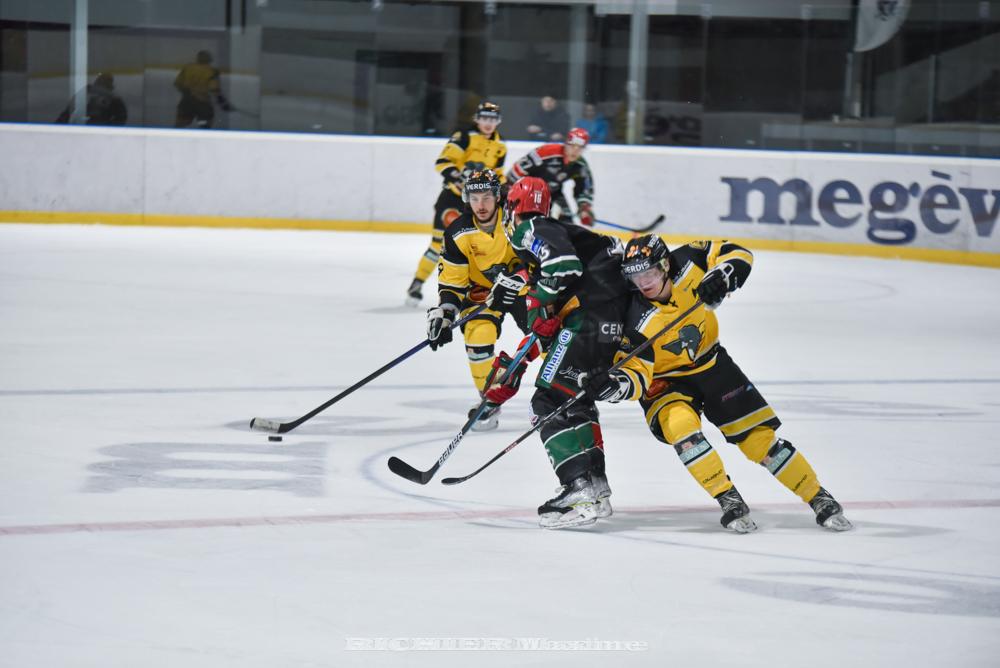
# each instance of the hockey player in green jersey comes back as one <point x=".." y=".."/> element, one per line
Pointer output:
<point x="576" y="302"/>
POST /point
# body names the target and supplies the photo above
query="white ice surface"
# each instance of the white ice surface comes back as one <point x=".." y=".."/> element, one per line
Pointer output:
<point x="142" y="524"/>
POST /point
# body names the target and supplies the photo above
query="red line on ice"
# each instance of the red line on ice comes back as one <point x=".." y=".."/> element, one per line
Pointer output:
<point x="435" y="515"/>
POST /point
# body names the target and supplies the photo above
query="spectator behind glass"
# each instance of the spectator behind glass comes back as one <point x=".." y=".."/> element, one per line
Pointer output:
<point x="103" y="105"/>
<point x="550" y="122"/>
<point x="594" y="123"/>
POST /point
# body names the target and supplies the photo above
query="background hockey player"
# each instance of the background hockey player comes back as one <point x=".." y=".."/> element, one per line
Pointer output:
<point x="687" y="372"/>
<point x="557" y="163"/>
<point x="476" y="251"/>
<point x="198" y="84"/>
<point x="576" y="304"/>
<point x="467" y="151"/>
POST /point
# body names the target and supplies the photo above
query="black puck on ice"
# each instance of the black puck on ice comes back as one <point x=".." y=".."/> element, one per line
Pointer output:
<point x="275" y="439"/>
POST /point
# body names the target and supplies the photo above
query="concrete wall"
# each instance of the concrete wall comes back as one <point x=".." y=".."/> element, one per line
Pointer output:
<point x="930" y="208"/>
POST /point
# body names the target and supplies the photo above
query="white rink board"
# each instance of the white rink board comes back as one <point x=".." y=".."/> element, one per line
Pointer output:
<point x="932" y="203"/>
<point x="142" y="524"/>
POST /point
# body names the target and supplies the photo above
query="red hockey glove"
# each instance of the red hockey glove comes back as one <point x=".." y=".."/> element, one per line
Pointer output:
<point x="498" y="388"/>
<point x="542" y="324"/>
<point x="586" y="214"/>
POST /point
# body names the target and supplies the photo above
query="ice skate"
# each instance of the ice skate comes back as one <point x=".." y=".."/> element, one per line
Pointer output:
<point x="735" y="512"/>
<point x="575" y="506"/>
<point x="413" y="293"/>
<point x="829" y="513"/>
<point x="489" y="420"/>
<point x="602" y="492"/>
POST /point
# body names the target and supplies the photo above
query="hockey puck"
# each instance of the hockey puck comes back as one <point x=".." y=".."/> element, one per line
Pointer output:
<point x="275" y="439"/>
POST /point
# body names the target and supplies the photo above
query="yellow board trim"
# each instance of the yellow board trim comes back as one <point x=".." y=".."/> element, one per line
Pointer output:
<point x="69" y="217"/>
<point x="978" y="259"/>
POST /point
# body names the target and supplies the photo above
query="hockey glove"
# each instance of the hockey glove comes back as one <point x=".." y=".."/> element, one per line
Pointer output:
<point x="439" y="321"/>
<point x="603" y="386"/>
<point x="506" y="289"/>
<point x="716" y="284"/>
<point x="452" y="177"/>
<point x="541" y="323"/>
<point x="586" y="213"/>
<point x="499" y="389"/>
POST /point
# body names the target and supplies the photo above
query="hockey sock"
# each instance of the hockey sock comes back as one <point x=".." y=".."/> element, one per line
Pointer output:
<point x="704" y="464"/>
<point x="429" y="260"/>
<point x="480" y="337"/>
<point x="568" y="450"/>
<point x="784" y="462"/>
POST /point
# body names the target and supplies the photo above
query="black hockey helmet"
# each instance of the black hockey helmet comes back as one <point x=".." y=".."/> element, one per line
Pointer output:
<point x="644" y="253"/>
<point x="482" y="181"/>
<point x="488" y="110"/>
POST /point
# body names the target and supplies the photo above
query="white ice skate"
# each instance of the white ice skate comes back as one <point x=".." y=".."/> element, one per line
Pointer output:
<point x="575" y="506"/>
<point x="488" y="421"/>
<point x="602" y="491"/>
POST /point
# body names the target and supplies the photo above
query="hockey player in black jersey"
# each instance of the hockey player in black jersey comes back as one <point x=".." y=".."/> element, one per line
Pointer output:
<point x="576" y="298"/>
<point x="557" y="163"/>
<point x="687" y="373"/>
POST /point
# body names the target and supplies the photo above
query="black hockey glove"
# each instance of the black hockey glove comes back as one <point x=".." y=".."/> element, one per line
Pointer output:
<point x="439" y="321"/>
<point x="452" y="177"/>
<point x="603" y="386"/>
<point x="716" y="284"/>
<point x="506" y="289"/>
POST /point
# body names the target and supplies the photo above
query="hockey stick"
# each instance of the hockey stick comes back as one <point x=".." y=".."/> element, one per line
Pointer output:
<point x="275" y="427"/>
<point x="401" y="468"/>
<point x="576" y="397"/>
<point x="640" y="230"/>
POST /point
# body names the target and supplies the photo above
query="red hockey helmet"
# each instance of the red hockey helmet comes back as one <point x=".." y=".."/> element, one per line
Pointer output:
<point x="578" y="137"/>
<point x="529" y="195"/>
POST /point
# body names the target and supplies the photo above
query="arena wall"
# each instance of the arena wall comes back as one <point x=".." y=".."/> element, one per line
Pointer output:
<point x="917" y="207"/>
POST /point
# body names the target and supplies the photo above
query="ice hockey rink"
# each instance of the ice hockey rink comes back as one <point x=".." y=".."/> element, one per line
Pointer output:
<point x="143" y="524"/>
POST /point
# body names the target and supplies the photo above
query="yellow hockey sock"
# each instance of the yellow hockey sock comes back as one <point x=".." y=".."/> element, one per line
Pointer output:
<point x="704" y="464"/>
<point x="784" y="462"/>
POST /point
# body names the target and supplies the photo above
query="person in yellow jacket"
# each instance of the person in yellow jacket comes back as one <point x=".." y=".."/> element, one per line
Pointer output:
<point x="467" y="151"/>
<point x="475" y="252"/>
<point x="198" y="83"/>
<point x="687" y="373"/>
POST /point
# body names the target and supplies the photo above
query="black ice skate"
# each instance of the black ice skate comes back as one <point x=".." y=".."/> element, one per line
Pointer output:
<point x="602" y="492"/>
<point x="829" y="513"/>
<point x="488" y="420"/>
<point x="735" y="512"/>
<point x="575" y="506"/>
<point x="413" y="293"/>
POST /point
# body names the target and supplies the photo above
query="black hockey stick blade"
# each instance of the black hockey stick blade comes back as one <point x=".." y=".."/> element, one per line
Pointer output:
<point x="404" y="470"/>
<point x="638" y="230"/>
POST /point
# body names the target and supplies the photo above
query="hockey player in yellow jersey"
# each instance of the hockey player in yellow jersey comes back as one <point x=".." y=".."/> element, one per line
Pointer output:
<point x="687" y="373"/>
<point x="475" y="252"/>
<point x="467" y="151"/>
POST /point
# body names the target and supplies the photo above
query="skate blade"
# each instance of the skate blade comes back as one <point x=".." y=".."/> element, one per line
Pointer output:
<point x="412" y="302"/>
<point x="579" y="516"/>
<point x="742" y="525"/>
<point x="604" y="508"/>
<point x="838" y="523"/>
